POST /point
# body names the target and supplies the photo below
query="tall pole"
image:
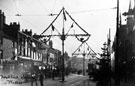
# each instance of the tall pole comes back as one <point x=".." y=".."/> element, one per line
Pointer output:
<point x="63" y="39"/>
<point x="117" y="79"/>
<point x="84" y="53"/>
<point x="84" y="63"/>
<point x="109" y="51"/>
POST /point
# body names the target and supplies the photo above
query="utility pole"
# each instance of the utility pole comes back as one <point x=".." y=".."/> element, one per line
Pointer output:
<point x="109" y="54"/>
<point x="63" y="39"/>
<point x="117" y="79"/>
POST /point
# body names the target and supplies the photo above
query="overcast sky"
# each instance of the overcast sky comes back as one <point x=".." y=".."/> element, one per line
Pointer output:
<point x="95" y="16"/>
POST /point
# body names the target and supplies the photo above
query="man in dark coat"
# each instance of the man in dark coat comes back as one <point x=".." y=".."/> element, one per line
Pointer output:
<point x="41" y="78"/>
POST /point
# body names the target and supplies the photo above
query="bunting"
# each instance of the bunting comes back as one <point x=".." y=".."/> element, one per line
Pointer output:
<point x="81" y="39"/>
<point x="64" y="15"/>
<point x="53" y="27"/>
<point x="78" y="50"/>
<point x="87" y="48"/>
<point x="72" y="25"/>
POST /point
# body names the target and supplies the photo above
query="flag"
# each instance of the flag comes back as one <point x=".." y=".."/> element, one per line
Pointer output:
<point x="79" y="50"/>
<point x="81" y="39"/>
<point x="72" y="25"/>
<point x="53" y="27"/>
<point x="87" y="48"/>
<point x="64" y="15"/>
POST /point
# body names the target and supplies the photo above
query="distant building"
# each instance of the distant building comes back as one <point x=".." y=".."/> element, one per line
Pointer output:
<point x="54" y="55"/>
<point x="77" y="63"/>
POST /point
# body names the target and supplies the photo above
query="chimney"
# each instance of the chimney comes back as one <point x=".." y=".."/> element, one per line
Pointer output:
<point x="27" y="32"/>
<point x="15" y="26"/>
<point x="2" y="20"/>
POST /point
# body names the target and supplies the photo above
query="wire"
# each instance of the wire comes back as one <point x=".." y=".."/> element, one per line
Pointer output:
<point x="30" y="23"/>
<point x="93" y="10"/>
<point x="32" y="15"/>
<point x="52" y="22"/>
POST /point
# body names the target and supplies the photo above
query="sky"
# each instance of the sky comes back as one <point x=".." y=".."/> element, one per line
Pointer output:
<point x="94" y="16"/>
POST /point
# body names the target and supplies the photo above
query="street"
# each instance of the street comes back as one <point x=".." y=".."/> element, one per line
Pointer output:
<point x="71" y="80"/>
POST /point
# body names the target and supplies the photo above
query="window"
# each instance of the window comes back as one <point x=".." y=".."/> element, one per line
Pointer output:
<point x="1" y="54"/>
<point x="38" y="56"/>
<point x="28" y="51"/>
<point x="32" y="55"/>
<point x="13" y="44"/>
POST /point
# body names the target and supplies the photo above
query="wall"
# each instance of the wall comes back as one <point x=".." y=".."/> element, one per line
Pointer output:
<point x="7" y="48"/>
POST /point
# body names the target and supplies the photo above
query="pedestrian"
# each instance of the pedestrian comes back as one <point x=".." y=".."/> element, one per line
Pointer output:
<point x="53" y="73"/>
<point x="33" y="79"/>
<point x="41" y="78"/>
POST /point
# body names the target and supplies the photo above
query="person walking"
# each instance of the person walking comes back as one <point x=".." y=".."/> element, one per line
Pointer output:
<point x="41" y="78"/>
<point x="52" y="73"/>
<point x="34" y="79"/>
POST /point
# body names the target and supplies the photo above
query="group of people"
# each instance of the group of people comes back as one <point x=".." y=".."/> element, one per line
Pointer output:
<point x="35" y="77"/>
<point x="41" y="75"/>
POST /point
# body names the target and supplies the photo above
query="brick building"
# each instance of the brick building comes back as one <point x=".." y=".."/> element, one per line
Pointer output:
<point x="8" y="44"/>
<point x="21" y="51"/>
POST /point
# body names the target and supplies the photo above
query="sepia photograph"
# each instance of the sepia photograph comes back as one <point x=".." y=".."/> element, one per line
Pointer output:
<point x="67" y="42"/>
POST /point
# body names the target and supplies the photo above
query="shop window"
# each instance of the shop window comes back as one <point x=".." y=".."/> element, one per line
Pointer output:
<point x="1" y="54"/>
